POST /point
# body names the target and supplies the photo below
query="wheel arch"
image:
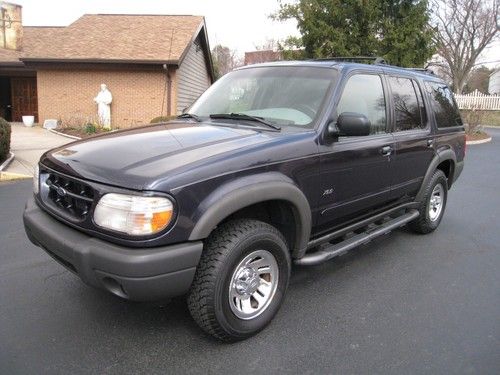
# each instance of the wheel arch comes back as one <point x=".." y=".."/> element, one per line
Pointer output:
<point x="247" y="191"/>
<point x="444" y="160"/>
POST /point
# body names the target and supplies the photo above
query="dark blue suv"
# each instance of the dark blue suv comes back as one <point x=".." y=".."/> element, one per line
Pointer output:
<point x="274" y="164"/>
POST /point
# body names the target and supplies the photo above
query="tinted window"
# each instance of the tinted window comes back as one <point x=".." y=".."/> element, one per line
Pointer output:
<point x="363" y="93"/>
<point x="443" y="104"/>
<point x="408" y="104"/>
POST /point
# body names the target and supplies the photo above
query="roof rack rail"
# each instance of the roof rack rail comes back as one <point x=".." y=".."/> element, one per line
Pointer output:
<point x="374" y="59"/>
<point x="422" y="70"/>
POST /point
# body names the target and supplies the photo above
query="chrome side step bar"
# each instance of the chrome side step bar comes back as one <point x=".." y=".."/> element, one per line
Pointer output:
<point x="360" y="224"/>
<point x="328" y="252"/>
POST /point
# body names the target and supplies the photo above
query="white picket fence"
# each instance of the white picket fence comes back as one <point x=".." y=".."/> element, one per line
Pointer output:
<point x="478" y="100"/>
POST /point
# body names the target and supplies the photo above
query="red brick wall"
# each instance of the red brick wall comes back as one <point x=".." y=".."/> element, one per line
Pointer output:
<point x="138" y="95"/>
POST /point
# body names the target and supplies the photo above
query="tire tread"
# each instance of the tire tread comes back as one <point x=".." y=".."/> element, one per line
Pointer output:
<point x="421" y="224"/>
<point x="217" y="248"/>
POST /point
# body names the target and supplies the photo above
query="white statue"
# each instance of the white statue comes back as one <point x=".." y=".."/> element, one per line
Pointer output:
<point x="103" y="100"/>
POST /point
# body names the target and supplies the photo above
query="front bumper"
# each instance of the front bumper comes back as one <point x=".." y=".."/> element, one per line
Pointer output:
<point x="135" y="274"/>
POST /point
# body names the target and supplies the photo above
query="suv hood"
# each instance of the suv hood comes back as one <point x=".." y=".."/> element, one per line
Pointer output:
<point x="137" y="158"/>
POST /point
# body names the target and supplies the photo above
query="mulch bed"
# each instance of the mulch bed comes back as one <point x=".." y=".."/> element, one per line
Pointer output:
<point x="478" y="136"/>
<point x="78" y="132"/>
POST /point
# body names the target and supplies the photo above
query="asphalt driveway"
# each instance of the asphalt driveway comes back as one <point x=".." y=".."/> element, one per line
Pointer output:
<point x="402" y="304"/>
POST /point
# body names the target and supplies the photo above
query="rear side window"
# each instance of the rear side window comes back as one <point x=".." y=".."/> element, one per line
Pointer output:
<point x="408" y="104"/>
<point x="443" y="104"/>
<point x="364" y="94"/>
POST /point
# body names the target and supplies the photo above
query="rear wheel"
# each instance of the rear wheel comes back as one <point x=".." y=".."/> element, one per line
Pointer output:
<point x="433" y="204"/>
<point x="241" y="279"/>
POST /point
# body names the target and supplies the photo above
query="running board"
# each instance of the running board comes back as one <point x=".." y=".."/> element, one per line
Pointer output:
<point x="333" y="250"/>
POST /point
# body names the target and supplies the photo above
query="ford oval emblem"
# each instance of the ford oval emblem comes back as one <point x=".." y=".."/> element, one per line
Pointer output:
<point x="61" y="191"/>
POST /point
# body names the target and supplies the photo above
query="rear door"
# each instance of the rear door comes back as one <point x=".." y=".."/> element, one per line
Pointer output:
<point x="414" y="141"/>
<point x="355" y="171"/>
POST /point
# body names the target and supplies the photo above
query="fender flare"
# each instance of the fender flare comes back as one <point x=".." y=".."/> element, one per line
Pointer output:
<point x="249" y="190"/>
<point x="441" y="156"/>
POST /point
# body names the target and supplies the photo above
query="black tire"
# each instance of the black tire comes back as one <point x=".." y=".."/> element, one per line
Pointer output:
<point x="226" y="247"/>
<point x="424" y="223"/>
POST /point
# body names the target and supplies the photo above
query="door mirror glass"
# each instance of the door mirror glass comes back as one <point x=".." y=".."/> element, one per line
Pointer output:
<point x="353" y="124"/>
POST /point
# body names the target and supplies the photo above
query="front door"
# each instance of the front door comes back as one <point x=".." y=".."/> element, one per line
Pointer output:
<point x="355" y="170"/>
<point x="24" y="98"/>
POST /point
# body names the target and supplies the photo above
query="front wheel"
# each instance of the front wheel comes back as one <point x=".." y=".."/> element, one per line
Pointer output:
<point x="241" y="279"/>
<point x="433" y="204"/>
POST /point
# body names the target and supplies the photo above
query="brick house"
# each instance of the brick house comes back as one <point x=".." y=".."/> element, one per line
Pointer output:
<point x="154" y="65"/>
<point x="262" y="56"/>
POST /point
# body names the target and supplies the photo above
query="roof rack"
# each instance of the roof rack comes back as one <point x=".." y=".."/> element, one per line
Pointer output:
<point x="422" y="70"/>
<point x="376" y="60"/>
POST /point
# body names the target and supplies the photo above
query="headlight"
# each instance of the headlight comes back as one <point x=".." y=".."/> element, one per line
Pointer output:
<point x="36" y="180"/>
<point x="134" y="215"/>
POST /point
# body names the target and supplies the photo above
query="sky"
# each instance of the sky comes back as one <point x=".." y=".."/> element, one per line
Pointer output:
<point x="242" y="25"/>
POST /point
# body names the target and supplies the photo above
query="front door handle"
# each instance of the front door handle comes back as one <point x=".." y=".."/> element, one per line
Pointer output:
<point x="386" y="150"/>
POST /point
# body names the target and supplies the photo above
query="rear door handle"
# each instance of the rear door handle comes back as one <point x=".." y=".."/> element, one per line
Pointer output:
<point x="386" y="150"/>
<point x="430" y="142"/>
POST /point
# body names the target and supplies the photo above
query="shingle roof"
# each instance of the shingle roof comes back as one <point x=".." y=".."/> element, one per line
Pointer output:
<point x="10" y="57"/>
<point x="32" y="35"/>
<point x="107" y="37"/>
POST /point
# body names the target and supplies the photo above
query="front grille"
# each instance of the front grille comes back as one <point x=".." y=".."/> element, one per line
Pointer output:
<point x="69" y="196"/>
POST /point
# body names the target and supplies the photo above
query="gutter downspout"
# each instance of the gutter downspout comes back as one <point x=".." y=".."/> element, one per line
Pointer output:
<point x="168" y="88"/>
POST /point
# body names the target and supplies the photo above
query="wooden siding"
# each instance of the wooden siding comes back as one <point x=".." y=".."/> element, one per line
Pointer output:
<point x="193" y="78"/>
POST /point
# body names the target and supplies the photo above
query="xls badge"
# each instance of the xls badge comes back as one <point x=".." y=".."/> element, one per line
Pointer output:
<point x="328" y="192"/>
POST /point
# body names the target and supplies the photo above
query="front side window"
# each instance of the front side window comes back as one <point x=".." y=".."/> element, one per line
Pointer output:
<point x="281" y="95"/>
<point x="408" y="104"/>
<point x="364" y="94"/>
<point x="443" y="104"/>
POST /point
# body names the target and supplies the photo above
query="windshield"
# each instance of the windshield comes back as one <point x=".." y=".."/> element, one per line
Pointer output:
<point x="280" y="95"/>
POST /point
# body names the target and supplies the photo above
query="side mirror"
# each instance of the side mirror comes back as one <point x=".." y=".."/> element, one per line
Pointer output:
<point x="333" y="131"/>
<point x="353" y="124"/>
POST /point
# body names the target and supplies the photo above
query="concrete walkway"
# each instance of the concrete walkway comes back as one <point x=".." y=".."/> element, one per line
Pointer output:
<point x="28" y="144"/>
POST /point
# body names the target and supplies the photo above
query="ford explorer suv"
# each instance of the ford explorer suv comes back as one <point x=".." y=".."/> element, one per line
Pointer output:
<point x="279" y="163"/>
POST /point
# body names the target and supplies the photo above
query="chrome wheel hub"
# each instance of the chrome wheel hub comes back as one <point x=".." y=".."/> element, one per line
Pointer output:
<point x="253" y="284"/>
<point x="247" y="281"/>
<point x="436" y="201"/>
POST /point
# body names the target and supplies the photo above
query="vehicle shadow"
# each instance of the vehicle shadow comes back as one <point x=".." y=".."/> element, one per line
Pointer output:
<point x="170" y="320"/>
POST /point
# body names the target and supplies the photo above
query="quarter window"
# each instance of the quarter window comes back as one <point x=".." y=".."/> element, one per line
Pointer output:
<point x="445" y="108"/>
<point x="408" y="104"/>
<point x="364" y="94"/>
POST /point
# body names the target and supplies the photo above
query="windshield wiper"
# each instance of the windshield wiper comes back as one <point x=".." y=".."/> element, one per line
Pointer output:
<point x="190" y="115"/>
<point x="243" y="116"/>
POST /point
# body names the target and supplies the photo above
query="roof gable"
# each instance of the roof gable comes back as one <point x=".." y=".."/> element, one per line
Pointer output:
<point x="127" y="38"/>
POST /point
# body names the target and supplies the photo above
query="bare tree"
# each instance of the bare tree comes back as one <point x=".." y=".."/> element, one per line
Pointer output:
<point x="464" y="28"/>
<point x="225" y="60"/>
<point x="478" y="79"/>
<point x="270" y="44"/>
